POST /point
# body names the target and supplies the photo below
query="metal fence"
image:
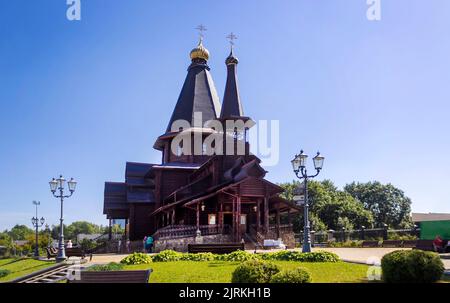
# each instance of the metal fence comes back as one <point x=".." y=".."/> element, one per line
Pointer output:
<point x="322" y="238"/>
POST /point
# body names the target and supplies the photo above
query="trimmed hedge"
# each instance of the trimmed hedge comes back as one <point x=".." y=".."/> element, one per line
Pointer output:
<point x="106" y="267"/>
<point x="242" y="256"/>
<point x="136" y="258"/>
<point x="298" y="275"/>
<point x="237" y="256"/>
<point x="411" y="266"/>
<point x="285" y="255"/>
<point x="254" y="271"/>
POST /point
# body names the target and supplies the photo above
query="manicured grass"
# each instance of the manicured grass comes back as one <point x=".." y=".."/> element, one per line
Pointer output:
<point x="220" y="272"/>
<point x="22" y="267"/>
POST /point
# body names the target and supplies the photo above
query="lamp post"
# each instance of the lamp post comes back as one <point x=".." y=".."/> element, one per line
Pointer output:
<point x="299" y="167"/>
<point x="36" y="224"/>
<point x="58" y="184"/>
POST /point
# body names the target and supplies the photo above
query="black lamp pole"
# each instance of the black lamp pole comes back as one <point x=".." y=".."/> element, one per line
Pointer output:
<point x="58" y="184"/>
<point x="299" y="166"/>
<point x="36" y="224"/>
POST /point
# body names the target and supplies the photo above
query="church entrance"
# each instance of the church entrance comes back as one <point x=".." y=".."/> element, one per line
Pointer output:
<point x="228" y="219"/>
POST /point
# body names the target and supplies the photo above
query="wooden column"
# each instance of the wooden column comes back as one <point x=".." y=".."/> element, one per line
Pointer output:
<point x="278" y="222"/>
<point x="266" y="214"/>
<point x="233" y="212"/>
<point x="173" y="217"/>
<point x="289" y="217"/>
<point x="238" y="217"/>
<point x="258" y="215"/>
<point x="220" y="218"/>
<point x="126" y="229"/>
<point x="198" y="216"/>
<point x="110" y="230"/>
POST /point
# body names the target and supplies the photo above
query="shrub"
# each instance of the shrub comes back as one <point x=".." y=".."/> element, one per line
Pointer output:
<point x="285" y="255"/>
<point x="298" y="275"/>
<point x="87" y="244"/>
<point x="136" y="258"/>
<point x="254" y="271"/>
<point x="237" y="256"/>
<point x="411" y="266"/>
<point x="345" y="244"/>
<point x="4" y="272"/>
<point x="106" y="267"/>
<point x="167" y="256"/>
<point x="198" y="257"/>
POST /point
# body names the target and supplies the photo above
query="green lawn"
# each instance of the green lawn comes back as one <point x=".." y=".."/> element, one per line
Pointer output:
<point x="22" y="267"/>
<point x="215" y="271"/>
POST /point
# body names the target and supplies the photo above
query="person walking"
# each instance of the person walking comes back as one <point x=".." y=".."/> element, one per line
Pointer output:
<point x="149" y="244"/>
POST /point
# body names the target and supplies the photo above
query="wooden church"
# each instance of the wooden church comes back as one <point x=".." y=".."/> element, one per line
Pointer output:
<point x="218" y="197"/>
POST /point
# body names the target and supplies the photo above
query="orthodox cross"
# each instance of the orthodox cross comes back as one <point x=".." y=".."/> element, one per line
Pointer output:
<point x="231" y="37"/>
<point x="201" y="28"/>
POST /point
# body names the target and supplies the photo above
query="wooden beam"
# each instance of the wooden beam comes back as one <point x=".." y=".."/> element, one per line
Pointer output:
<point x="258" y="215"/>
<point x="198" y="215"/>
<point x="266" y="214"/>
<point x="278" y="222"/>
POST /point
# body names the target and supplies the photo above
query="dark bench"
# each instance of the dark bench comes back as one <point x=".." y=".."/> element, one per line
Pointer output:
<point x="77" y="252"/>
<point x="215" y="248"/>
<point x="409" y="243"/>
<point x="123" y="276"/>
<point x="366" y="244"/>
<point x="392" y="243"/>
<point x="51" y="252"/>
<point x="424" y="245"/>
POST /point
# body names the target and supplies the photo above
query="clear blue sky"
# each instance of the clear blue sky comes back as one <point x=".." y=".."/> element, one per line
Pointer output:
<point x="82" y="98"/>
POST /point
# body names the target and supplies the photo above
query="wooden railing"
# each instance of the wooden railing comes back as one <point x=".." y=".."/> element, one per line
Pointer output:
<point x="184" y="231"/>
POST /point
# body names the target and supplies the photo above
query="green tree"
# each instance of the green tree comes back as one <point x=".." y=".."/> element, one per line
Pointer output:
<point x="387" y="203"/>
<point x="330" y="208"/>
<point x="20" y="232"/>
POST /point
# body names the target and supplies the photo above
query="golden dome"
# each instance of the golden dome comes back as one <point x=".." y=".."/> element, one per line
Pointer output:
<point x="200" y="52"/>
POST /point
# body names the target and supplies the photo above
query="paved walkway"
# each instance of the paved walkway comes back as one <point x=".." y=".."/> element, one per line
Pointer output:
<point x="368" y="255"/>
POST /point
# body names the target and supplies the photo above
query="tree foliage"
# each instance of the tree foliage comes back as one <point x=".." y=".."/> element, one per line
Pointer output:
<point x="370" y="204"/>
<point x="330" y="208"/>
<point x="387" y="203"/>
<point x="20" y="232"/>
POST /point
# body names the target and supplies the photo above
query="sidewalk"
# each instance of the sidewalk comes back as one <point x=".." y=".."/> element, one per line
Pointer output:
<point x="362" y="255"/>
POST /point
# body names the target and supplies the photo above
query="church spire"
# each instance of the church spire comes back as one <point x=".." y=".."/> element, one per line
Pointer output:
<point x="231" y="106"/>
<point x="198" y="94"/>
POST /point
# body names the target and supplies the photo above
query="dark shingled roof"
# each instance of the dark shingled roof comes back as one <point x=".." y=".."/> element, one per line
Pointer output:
<point x="115" y="196"/>
<point x="231" y="106"/>
<point x="139" y="170"/>
<point x="197" y="95"/>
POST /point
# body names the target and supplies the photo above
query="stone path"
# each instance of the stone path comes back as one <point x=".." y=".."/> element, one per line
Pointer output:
<point x="362" y="255"/>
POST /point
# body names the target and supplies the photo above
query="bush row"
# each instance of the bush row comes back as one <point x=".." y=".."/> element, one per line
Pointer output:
<point x="258" y="271"/>
<point x="236" y="256"/>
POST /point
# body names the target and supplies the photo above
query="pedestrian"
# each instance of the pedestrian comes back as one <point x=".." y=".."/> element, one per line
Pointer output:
<point x="149" y="243"/>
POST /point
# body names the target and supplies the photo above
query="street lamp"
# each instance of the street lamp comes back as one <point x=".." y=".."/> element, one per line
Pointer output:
<point x="299" y="167"/>
<point x="36" y="224"/>
<point x="58" y="184"/>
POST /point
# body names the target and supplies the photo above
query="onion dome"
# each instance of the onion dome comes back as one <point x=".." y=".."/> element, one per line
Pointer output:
<point x="231" y="59"/>
<point x="200" y="52"/>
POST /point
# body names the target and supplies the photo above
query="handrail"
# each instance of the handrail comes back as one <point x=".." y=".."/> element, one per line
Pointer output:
<point x="182" y="231"/>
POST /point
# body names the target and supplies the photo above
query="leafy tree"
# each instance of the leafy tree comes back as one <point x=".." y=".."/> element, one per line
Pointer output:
<point x="330" y="208"/>
<point x="387" y="203"/>
<point x="75" y="228"/>
<point x="5" y="240"/>
<point x="20" y="232"/>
